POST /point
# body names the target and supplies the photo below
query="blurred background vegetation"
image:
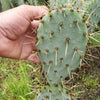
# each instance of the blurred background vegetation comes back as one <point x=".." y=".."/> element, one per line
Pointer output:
<point x="8" y="4"/>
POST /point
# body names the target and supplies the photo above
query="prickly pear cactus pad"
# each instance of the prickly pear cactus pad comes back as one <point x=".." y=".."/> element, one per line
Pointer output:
<point x="81" y="5"/>
<point x="94" y="11"/>
<point x="58" y="3"/>
<point x="52" y="93"/>
<point x="62" y="43"/>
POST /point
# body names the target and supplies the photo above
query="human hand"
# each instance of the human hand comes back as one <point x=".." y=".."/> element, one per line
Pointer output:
<point x="18" y="28"/>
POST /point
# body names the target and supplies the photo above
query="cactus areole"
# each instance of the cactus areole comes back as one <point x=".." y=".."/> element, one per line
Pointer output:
<point x="62" y="40"/>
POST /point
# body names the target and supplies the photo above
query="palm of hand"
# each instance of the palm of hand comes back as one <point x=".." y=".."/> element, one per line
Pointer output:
<point x="18" y="34"/>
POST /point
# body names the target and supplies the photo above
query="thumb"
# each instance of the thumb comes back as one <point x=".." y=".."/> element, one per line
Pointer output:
<point x="33" y="58"/>
<point x="32" y="12"/>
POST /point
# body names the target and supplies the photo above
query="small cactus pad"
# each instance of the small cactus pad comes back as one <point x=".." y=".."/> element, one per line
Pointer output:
<point x="58" y="3"/>
<point x="52" y="93"/>
<point x="62" y="40"/>
<point x="81" y="5"/>
<point x="94" y="11"/>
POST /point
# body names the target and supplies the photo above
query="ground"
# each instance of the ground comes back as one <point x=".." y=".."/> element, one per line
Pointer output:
<point x="86" y="82"/>
<point x="20" y="80"/>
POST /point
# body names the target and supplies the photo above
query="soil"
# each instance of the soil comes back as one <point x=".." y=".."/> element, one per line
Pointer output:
<point x="85" y="84"/>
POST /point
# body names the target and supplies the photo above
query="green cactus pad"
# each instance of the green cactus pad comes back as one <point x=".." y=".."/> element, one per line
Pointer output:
<point x="62" y="43"/>
<point x="52" y="93"/>
<point x="82" y="4"/>
<point x="58" y="3"/>
<point x="94" y="10"/>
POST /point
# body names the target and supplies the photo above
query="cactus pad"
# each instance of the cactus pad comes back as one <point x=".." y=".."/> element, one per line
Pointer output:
<point x="58" y="3"/>
<point x="52" y="93"/>
<point x="62" y="43"/>
<point x="94" y="11"/>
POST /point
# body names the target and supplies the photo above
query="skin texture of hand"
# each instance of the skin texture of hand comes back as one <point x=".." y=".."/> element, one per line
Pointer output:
<point x="18" y="28"/>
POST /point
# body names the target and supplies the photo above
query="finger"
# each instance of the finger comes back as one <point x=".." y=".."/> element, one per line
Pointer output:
<point x="33" y="29"/>
<point x="32" y="12"/>
<point x="45" y="8"/>
<point x="33" y="58"/>
<point x="35" y="24"/>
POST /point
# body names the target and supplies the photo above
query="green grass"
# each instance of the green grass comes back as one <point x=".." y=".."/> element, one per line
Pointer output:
<point x="20" y="80"/>
<point x="15" y="82"/>
<point x="91" y="81"/>
<point x="98" y="98"/>
<point x="88" y="84"/>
